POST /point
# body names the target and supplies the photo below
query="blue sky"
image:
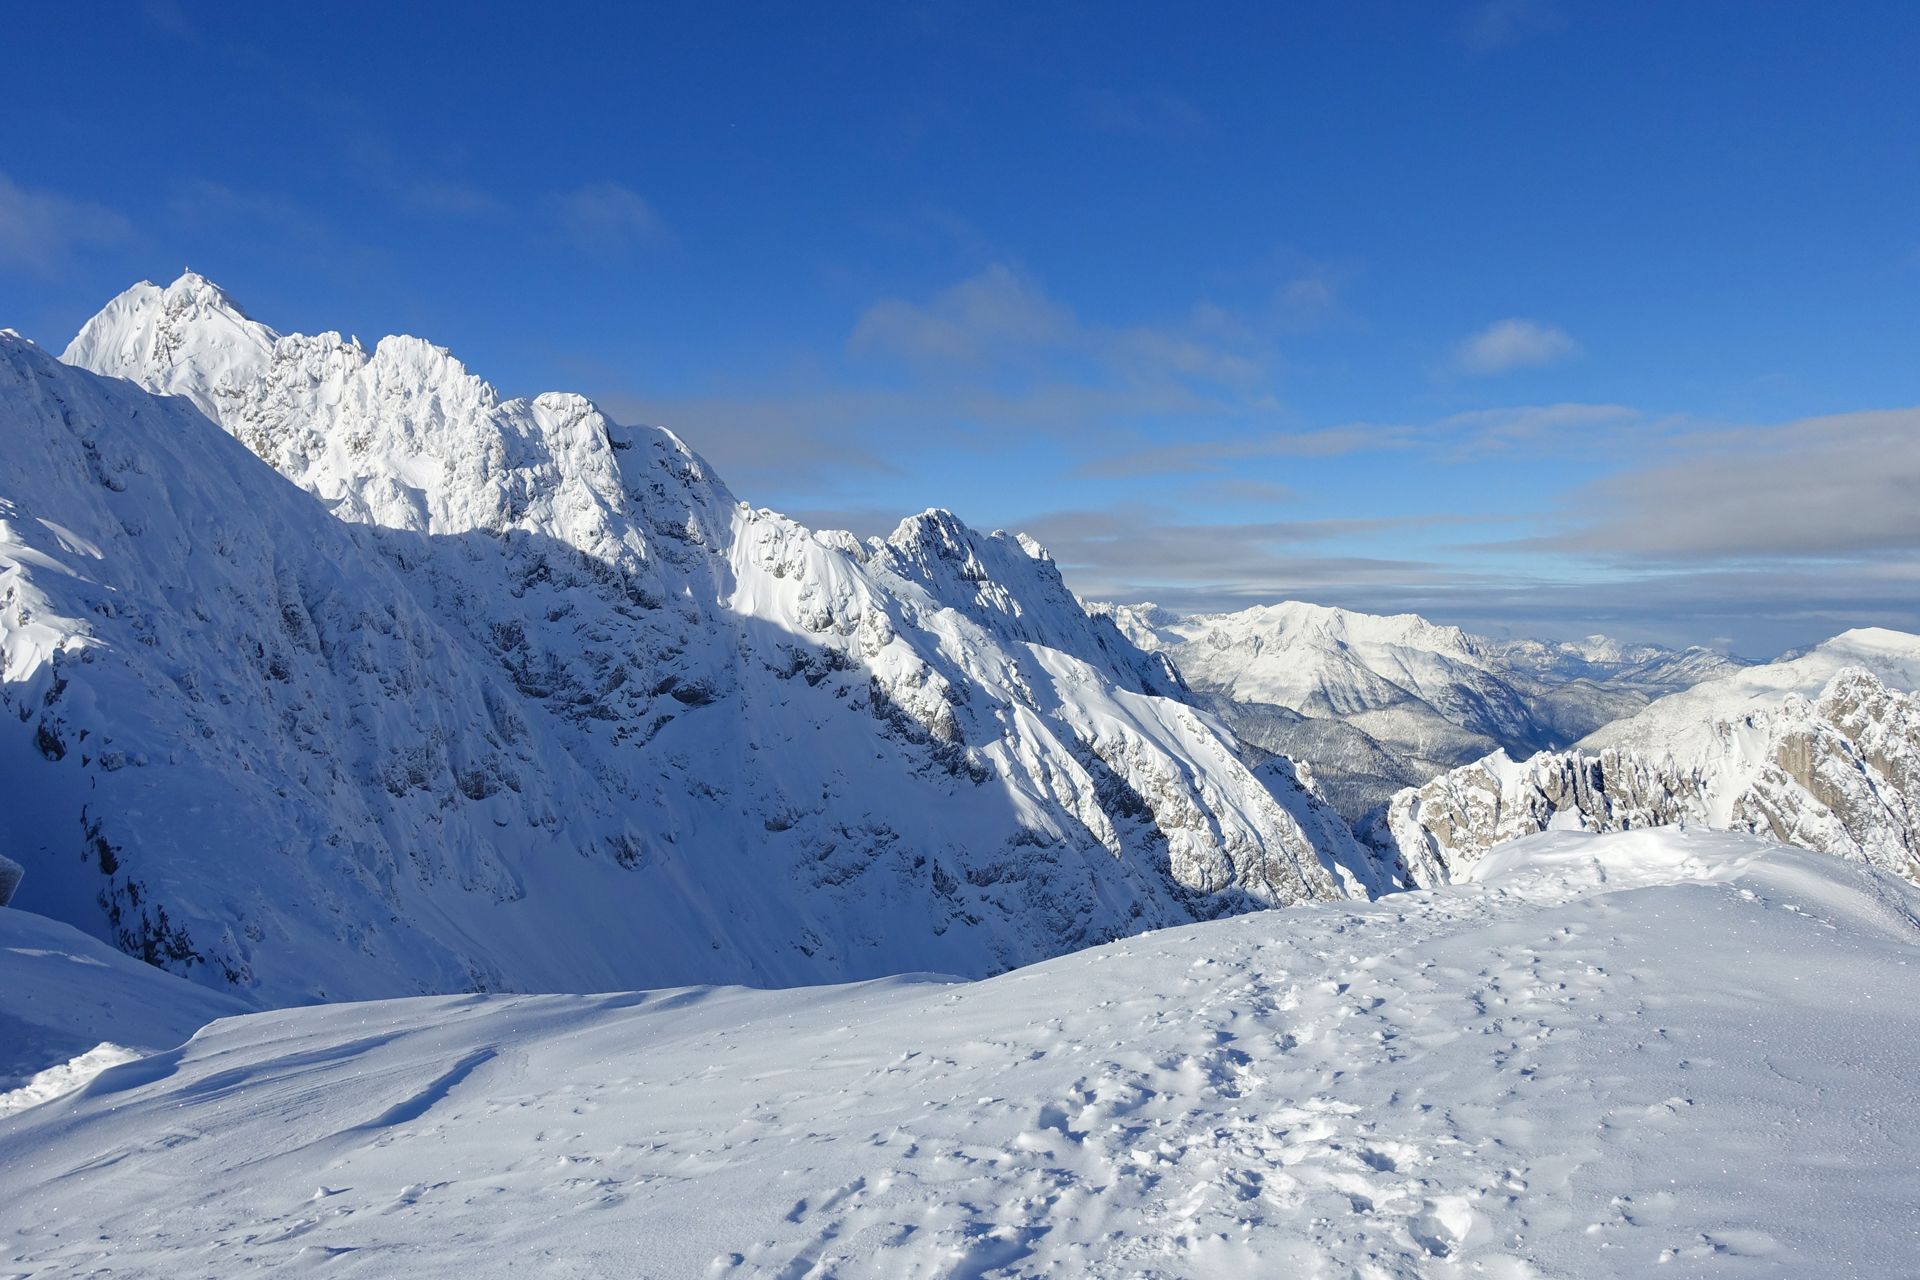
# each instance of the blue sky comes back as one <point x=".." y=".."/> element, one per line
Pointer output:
<point x="1535" y="316"/>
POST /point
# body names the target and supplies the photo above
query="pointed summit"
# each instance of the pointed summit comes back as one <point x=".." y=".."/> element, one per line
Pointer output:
<point x="189" y="339"/>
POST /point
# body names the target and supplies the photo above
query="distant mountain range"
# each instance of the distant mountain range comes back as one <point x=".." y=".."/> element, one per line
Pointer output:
<point x="1378" y="703"/>
<point x="1820" y="750"/>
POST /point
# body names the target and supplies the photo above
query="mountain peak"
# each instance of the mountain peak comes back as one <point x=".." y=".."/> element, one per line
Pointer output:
<point x="189" y="339"/>
<point x="197" y="288"/>
<point x="1882" y="639"/>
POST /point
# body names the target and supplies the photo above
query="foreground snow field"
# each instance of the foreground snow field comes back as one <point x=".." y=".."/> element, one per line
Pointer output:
<point x="1609" y="1054"/>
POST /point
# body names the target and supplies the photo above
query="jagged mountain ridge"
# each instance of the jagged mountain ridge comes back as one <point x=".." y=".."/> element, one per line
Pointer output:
<point x="1838" y="772"/>
<point x="545" y="707"/>
<point x="1412" y="697"/>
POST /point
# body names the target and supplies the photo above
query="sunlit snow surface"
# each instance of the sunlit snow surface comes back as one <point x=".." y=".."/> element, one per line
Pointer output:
<point x="1657" y="1053"/>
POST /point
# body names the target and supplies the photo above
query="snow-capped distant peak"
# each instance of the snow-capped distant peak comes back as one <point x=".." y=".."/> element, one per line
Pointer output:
<point x="189" y="339"/>
<point x="1330" y="623"/>
<point x="1681" y="725"/>
<point x="1422" y="695"/>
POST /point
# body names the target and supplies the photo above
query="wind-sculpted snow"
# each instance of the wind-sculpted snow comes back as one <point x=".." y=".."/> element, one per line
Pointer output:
<point x="1412" y="698"/>
<point x="1604" y="1056"/>
<point x="514" y="697"/>
<point x="1839" y="773"/>
<point x="71" y="1006"/>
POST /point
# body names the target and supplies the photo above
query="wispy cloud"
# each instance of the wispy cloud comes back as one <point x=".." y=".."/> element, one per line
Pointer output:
<point x="41" y="230"/>
<point x="200" y="204"/>
<point x="446" y="197"/>
<point x="424" y="187"/>
<point x="1313" y="298"/>
<point x="1492" y="24"/>
<point x="1003" y="318"/>
<point x="994" y="314"/>
<point x="784" y="436"/>
<point x="1189" y="456"/>
<point x="1238" y="490"/>
<point x="1533" y="426"/>
<point x="1136" y="552"/>
<point x="1512" y="344"/>
<point x="167" y="16"/>
<point x="1143" y="553"/>
<point x="608" y="218"/>
<point x="1152" y="114"/>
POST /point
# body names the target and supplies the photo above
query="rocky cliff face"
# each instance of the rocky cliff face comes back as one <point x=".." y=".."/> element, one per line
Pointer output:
<point x="1839" y="773"/>
<point x="501" y="694"/>
<point x="1842" y="774"/>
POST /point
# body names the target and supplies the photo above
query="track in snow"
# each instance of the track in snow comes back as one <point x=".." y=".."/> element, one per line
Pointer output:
<point x="1658" y="1053"/>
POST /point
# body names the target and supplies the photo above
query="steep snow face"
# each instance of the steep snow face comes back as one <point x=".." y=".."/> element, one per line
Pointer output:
<point x="1687" y="725"/>
<point x="1421" y="697"/>
<point x="1839" y="773"/>
<point x="547" y="708"/>
<point x="239" y="747"/>
<point x="1600" y="1062"/>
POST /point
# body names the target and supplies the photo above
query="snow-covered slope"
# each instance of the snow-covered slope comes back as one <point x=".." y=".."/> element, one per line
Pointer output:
<point x="1839" y="772"/>
<point x="71" y="1006"/>
<point x="1666" y="1053"/>
<point x="1414" y="698"/>
<point x="1355" y="773"/>
<point x="1682" y="725"/>
<point x="545" y="707"/>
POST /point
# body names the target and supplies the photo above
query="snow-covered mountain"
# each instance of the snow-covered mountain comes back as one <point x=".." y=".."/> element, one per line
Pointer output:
<point x="1686" y="724"/>
<point x="1838" y="772"/>
<point x="499" y="694"/>
<point x="1581" y="1063"/>
<point x="1412" y="698"/>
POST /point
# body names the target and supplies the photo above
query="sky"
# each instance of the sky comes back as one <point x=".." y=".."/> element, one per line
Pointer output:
<point x="1534" y="316"/>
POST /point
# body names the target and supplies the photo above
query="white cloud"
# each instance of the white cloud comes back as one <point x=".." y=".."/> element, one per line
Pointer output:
<point x="605" y="217"/>
<point x="39" y="229"/>
<point x="1513" y="344"/>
